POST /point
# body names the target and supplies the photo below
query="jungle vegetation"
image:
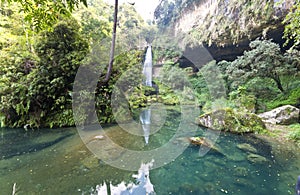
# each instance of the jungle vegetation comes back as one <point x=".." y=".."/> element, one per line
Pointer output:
<point x="42" y="49"/>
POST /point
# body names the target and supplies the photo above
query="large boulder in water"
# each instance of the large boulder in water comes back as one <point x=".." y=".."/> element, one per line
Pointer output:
<point x="284" y="115"/>
<point x="232" y="121"/>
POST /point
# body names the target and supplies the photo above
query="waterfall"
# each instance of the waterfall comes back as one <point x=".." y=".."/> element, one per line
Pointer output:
<point x="145" y="115"/>
<point x="147" y="70"/>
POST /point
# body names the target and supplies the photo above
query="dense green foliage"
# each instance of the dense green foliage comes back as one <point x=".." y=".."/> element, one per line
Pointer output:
<point x="126" y="75"/>
<point x="266" y="74"/>
<point x="38" y="69"/>
<point x="261" y="79"/>
<point x="95" y="28"/>
<point x="109" y="99"/>
<point x="173" y="87"/>
<point x="36" y="88"/>
<point x="292" y="21"/>
<point x="264" y="60"/>
<point x="44" y="14"/>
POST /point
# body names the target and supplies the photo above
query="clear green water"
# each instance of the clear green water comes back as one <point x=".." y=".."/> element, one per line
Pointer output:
<point x="57" y="162"/>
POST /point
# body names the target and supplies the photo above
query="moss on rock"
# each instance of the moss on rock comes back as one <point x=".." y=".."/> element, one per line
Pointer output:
<point x="232" y="121"/>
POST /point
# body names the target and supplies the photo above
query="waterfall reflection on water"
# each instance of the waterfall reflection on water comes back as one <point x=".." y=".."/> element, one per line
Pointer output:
<point x="145" y="119"/>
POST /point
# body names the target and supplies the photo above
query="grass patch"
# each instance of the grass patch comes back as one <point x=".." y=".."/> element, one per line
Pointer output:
<point x="294" y="134"/>
<point x="291" y="98"/>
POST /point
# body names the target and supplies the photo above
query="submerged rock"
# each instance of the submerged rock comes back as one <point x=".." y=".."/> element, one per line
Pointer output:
<point x="284" y="115"/>
<point x="255" y="158"/>
<point x="240" y="172"/>
<point x="247" y="148"/>
<point x="197" y="141"/>
<point x="232" y="121"/>
<point x="201" y="141"/>
<point x="90" y="162"/>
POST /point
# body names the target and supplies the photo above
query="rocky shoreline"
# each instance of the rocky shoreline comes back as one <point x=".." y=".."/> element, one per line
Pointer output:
<point x="275" y="122"/>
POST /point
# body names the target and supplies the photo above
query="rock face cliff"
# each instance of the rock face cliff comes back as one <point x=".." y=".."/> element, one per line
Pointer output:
<point x="225" y="27"/>
<point x="192" y="15"/>
<point x="230" y="51"/>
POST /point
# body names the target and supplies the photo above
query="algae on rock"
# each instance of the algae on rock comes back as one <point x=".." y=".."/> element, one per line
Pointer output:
<point x="232" y="121"/>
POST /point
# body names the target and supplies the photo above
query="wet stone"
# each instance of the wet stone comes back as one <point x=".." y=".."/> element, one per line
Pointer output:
<point x="247" y="148"/>
<point x="255" y="158"/>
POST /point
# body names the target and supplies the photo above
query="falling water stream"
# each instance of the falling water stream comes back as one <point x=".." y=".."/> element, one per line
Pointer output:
<point x="147" y="68"/>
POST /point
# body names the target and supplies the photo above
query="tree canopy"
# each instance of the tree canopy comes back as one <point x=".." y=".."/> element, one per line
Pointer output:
<point x="44" y="14"/>
<point x="264" y="60"/>
<point x="36" y="89"/>
<point x="38" y="68"/>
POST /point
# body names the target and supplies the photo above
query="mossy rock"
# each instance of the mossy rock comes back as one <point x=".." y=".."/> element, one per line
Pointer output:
<point x="232" y="121"/>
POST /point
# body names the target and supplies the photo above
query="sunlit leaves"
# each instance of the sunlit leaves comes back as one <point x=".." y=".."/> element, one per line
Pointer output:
<point x="95" y="21"/>
<point x="44" y="14"/>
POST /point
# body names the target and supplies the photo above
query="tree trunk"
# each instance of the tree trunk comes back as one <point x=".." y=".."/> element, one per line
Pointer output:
<point x="278" y="83"/>
<point x="113" y="43"/>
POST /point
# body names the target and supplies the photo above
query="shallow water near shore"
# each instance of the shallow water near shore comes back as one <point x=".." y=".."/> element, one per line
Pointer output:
<point x="57" y="162"/>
